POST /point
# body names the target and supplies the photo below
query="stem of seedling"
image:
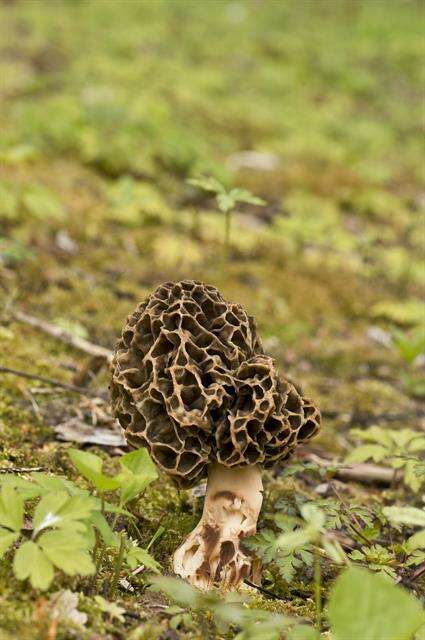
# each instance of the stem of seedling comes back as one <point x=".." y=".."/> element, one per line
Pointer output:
<point x="95" y="552"/>
<point x="101" y="555"/>
<point x="317" y="589"/>
<point x="196" y="224"/>
<point x="118" y="565"/>
<point x="114" y="521"/>
<point x="227" y="224"/>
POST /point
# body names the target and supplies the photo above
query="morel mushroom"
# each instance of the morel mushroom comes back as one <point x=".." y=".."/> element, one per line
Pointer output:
<point x="190" y="382"/>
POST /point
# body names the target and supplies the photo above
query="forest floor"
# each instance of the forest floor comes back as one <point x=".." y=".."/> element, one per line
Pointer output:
<point x="106" y="109"/>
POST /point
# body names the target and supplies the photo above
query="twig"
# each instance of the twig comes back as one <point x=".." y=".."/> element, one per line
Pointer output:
<point x="364" y="419"/>
<point x="21" y="469"/>
<point x="419" y="571"/>
<point x="55" y="383"/>
<point x="362" y="472"/>
<point x="262" y="590"/>
<point x="56" y="332"/>
<point x="28" y="395"/>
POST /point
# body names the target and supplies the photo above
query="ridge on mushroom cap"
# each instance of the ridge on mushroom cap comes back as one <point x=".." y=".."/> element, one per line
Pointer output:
<point x="191" y="382"/>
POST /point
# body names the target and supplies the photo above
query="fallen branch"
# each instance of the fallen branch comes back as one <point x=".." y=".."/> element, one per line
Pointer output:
<point x="362" y="472"/>
<point x="56" y="332"/>
<point x="21" y="469"/>
<point x="365" y="419"/>
<point x="419" y="572"/>
<point x="54" y="383"/>
<point x="266" y="592"/>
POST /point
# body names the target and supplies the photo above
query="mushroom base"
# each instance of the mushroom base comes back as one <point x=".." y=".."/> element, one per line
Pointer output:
<point x="214" y="552"/>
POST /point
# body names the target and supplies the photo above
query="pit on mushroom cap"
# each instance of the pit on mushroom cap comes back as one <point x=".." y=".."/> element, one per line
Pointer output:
<point x="191" y="382"/>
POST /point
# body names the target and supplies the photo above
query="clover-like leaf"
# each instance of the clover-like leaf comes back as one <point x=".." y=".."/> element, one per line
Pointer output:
<point x="46" y="512"/>
<point x="138" y="471"/>
<point x="26" y="488"/>
<point x="67" y="551"/>
<point x="7" y="538"/>
<point x="90" y="466"/>
<point x="59" y="510"/>
<point x="11" y="508"/>
<point x="30" y="562"/>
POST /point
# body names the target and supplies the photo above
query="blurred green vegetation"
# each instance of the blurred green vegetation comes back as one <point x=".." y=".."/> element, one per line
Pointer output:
<point x="108" y="107"/>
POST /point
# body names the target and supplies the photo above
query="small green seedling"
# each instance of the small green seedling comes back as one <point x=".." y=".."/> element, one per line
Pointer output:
<point x="226" y="201"/>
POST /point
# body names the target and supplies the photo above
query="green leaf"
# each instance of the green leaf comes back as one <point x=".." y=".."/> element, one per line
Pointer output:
<point x="225" y="202"/>
<point x="408" y="345"/>
<point x="138" y="471"/>
<point x="46" y="512"/>
<point x="59" y="510"/>
<point x="334" y="550"/>
<point x="417" y="444"/>
<point x="55" y="483"/>
<point x="411" y="479"/>
<point x="375" y="451"/>
<point x="296" y="539"/>
<point x="78" y="507"/>
<point x="402" y="312"/>
<point x="417" y="541"/>
<point x="313" y="515"/>
<point x="374" y="434"/>
<point x="30" y="562"/>
<point x="176" y="589"/>
<point x="26" y="488"/>
<point x="11" y="508"/>
<point x="108" y="536"/>
<point x="367" y="605"/>
<point x="90" y="466"/>
<point x="242" y="195"/>
<point x="405" y="515"/>
<point x="66" y="550"/>
<point x="7" y="538"/>
<point x="207" y="184"/>
<point x="136" y="556"/>
<point x="303" y="632"/>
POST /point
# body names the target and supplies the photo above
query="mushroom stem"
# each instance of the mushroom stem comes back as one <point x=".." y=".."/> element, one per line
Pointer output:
<point x="214" y="551"/>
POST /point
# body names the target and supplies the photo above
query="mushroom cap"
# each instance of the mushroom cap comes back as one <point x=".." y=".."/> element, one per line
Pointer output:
<point x="190" y="382"/>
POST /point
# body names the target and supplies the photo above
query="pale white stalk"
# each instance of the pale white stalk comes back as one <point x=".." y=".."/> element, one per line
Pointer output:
<point x="214" y="552"/>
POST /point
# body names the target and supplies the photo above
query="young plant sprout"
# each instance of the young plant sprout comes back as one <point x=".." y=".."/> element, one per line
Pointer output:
<point x="226" y="201"/>
<point x="190" y="382"/>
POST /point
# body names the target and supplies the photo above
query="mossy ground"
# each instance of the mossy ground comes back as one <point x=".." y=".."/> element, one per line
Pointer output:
<point x="107" y="107"/>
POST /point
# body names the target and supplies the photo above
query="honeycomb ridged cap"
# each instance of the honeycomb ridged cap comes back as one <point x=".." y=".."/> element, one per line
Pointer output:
<point x="190" y="382"/>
